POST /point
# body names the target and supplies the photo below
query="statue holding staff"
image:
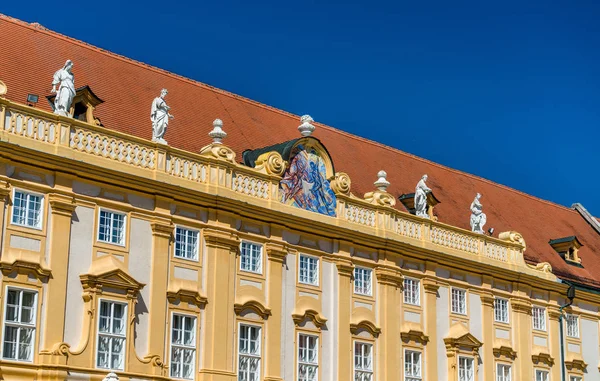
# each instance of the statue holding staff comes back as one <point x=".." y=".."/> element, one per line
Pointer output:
<point x="65" y="80"/>
<point x="478" y="218"/>
<point x="159" y="115"/>
<point x="421" y="198"/>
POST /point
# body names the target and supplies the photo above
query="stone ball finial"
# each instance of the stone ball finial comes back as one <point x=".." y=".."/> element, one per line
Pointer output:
<point x="217" y="134"/>
<point x="306" y="128"/>
<point x="382" y="182"/>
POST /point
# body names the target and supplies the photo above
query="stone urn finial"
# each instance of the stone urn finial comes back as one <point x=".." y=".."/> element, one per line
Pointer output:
<point x="382" y="182"/>
<point x="306" y="128"/>
<point x="217" y="134"/>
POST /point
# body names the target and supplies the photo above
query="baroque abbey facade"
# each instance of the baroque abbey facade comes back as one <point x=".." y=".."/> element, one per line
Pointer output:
<point x="236" y="241"/>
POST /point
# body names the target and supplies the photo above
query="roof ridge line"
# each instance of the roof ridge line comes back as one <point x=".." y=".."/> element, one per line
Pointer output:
<point x="40" y="28"/>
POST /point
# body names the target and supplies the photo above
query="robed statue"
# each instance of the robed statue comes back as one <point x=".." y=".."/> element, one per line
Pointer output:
<point x="160" y="117"/>
<point x="478" y="218"/>
<point x="65" y="80"/>
<point x="421" y="198"/>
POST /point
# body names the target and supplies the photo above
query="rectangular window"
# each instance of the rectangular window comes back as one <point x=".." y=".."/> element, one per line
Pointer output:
<point x="465" y="369"/>
<point x="541" y="375"/>
<point x="308" y="357"/>
<point x="362" y="281"/>
<point x="183" y="347"/>
<point x="412" y="293"/>
<point x="412" y="366"/>
<point x="309" y="270"/>
<point x="249" y="353"/>
<point x="363" y="361"/>
<point x="186" y="243"/>
<point x="251" y="257"/>
<point x="538" y="314"/>
<point x="111" y="227"/>
<point x="501" y="310"/>
<point x="112" y="332"/>
<point x="572" y="326"/>
<point x="27" y="209"/>
<point x="575" y="378"/>
<point x="19" y="325"/>
<point x="459" y="301"/>
<point x="503" y="372"/>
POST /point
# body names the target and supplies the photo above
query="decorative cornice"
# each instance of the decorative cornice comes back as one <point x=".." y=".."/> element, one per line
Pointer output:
<point x="189" y="296"/>
<point x="62" y="205"/>
<point x="380" y="198"/>
<point x="505" y="351"/>
<point x="221" y="239"/>
<point x="367" y="326"/>
<point x="553" y="312"/>
<point x="543" y="358"/>
<point x="108" y="275"/>
<point x="4" y="190"/>
<point x="24" y="266"/>
<point x="522" y="306"/>
<point x="276" y="251"/>
<point x="162" y="228"/>
<point x="389" y="276"/>
<point x="415" y="336"/>
<point x="318" y="320"/>
<point x="218" y="151"/>
<point x="253" y="305"/>
<point x="430" y="286"/>
<point x="513" y="237"/>
<point x="487" y="299"/>
<point x="576" y="364"/>
<point x="345" y="267"/>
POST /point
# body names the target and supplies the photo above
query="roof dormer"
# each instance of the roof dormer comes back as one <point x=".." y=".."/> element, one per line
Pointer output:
<point x="567" y="248"/>
<point x="84" y="103"/>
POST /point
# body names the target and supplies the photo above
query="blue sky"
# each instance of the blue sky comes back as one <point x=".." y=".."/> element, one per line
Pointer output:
<point x="509" y="91"/>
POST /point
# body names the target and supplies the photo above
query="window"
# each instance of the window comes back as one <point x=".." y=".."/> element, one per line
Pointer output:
<point x="27" y="209"/>
<point x="249" y="353"/>
<point x="183" y="347"/>
<point x="538" y="314"/>
<point x="186" y="243"/>
<point x="363" y="361"/>
<point x="501" y="310"/>
<point x="309" y="270"/>
<point x="19" y="325"/>
<point x="111" y="228"/>
<point x="412" y="366"/>
<point x="503" y="372"/>
<point x="308" y="358"/>
<point x="112" y="330"/>
<point x="362" y="281"/>
<point x="575" y="378"/>
<point x="465" y="369"/>
<point x="251" y="257"/>
<point x="412" y="294"/>
<point x="572" y="326"/>
<point x="459" y="301"/>
<point x="541" y="375"/>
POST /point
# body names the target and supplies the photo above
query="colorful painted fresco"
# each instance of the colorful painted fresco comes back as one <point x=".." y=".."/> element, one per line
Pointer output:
<point x="305" y="185"/>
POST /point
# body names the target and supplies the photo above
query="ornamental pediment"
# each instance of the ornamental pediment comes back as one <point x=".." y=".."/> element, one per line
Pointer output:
<point x="459" y="336"/>
<point x="109" y="272"/>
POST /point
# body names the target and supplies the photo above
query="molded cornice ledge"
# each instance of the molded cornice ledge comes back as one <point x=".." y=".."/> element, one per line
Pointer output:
<point x="389" y="276"/>
<point x="345" y="267"/>
<point x="277" y="251"/>
<point x="188" y="296"/>
<point x="542" y="357"/>
<point x="521" y="306"/>
<point x="505" y="351"/>
<point x="415" y="336"/>
<point x="367" y="326"/>
<point x="487" y="299"/>
<point x="430" y="286"/>
<point x="576" y="364"/>
<point x="221" y="239"/>
<point x="318" y="320"/>
<point x="253" y="305"/>
<point x="62" y="205"/>
<point x="162" y="228"/>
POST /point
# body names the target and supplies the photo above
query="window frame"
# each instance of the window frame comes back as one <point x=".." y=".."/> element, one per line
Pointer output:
<point x="533" y="317"/>
<point x="370" y="285"/>
<point x="182" y="346"/>
<point x="418" y="292"/>
<point x="125" y="221"/>
<point x="472" y="359"/>
<point x="260" y="348"/>
<point x="317" y="270"/>
<point x="112" y="335"/>
<point x="567" y="319"/>
<point x="365" y="371"/>
<point x="507" y="321"/>
<point x="42" y="197"/>
<point x="316" y="365"/>
<point x="197" y="252"/>
<point x="501" y="377"/>
<point x="542" y="371"/>
<point x="413" y="377"/>
<point x="260" y="257"/>
<point x="19" y="325"/>
<point x="466" y="306"/>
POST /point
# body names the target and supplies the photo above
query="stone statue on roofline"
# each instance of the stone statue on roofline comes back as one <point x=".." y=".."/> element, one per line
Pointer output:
<point x="478" y="218"/>
<point x="111" y="377"/>
<point x="65" y="93"/>
<point x="421" y="198"/>
<point x="160" y="117"/>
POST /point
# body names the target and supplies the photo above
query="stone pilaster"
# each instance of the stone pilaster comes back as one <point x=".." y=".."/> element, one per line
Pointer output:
<point x="487" y="317"/>
<point x="344" y="345"/>
<point x="4" y="193"/>
<point x="430" y="288"/>
<point x="523" y="341"/>
<point x="554" y="341"/>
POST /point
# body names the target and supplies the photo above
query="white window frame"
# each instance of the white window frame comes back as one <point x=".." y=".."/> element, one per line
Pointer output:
<point x="249" y="268"/>
<point x="537" y="320"/>
<point x="545" y="375"/>
<point x="317" y="270"/>
<point x="124" y="235"/>
<point x="412" y="296"/>
<point x="501" y="374"/>
<point x="572" y="331"/>
<point x="472" y="375"/>
<point x="184" y="347"/>
<point x="19" y="324"/>
<point x="112" y="335"/>
<point x="412" y="376"/>
<point x="28" y="194"/>
<point x="314" y="365"/>
<point x="360" y="276"/>
<point x="575" y="378"/>
<point x="363" y="373"/>
<point x="196" y="250"/>
<point x="464" y="293"/>
<point x="249" y="355"/>
<point x="499" y="313"/>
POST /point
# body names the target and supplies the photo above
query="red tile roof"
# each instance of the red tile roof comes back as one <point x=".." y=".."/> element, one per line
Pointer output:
<point x="30" y="54"/>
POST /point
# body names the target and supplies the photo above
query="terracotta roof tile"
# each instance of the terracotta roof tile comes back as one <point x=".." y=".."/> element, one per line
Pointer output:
<point x="31" y="54"/>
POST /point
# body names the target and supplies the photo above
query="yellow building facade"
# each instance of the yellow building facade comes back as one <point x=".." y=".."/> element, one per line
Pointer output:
<point x="119" y="254"/>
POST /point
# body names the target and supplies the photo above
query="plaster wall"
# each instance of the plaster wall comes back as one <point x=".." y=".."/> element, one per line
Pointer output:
<point x="288" y="337"/>
<point x="590" y="348"/>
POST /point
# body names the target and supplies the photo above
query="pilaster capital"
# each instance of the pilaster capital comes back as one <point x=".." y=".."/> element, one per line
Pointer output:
<point x="345" y="267"/>
<point x="522" y="306"/>
<point x="162" y="228"/>
<point x="553" y="313"/>
<point x="61" y="205"/>
<point x="487" y="299"/>
<point x="430" y="286"/>
<point x="4" y="190"/>
<point x="389" y="276"/>
<point x="276" y="251"/>
<point x="221" y="239"/>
